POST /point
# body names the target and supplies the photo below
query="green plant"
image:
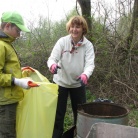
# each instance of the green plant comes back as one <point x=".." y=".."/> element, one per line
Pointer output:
<point x="133" y="117"/>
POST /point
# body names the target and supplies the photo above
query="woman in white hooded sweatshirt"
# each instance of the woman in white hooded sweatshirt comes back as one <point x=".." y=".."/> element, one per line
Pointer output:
<point x="72" y="63"/>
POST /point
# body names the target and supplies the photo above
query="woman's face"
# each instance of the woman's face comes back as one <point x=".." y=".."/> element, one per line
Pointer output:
<point x="76" y="32"/>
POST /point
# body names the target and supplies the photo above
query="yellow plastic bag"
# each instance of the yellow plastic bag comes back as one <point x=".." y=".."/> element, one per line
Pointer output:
<point x="36" y="112"/>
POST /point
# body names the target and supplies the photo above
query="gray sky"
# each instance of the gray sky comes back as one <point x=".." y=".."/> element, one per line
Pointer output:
<point x="31" y="9"/>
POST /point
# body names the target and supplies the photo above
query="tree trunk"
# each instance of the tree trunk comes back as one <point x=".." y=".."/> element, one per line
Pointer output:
<point x="134" y="24"/>
<point x="86" y="13"/>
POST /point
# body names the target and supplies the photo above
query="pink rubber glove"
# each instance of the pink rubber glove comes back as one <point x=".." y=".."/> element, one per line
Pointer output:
<point x="53" y="68"/>
<point x="83" y="78"/>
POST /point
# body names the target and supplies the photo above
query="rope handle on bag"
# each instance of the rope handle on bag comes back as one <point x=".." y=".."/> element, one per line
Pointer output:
<point x="30" y="83"/>
<point x="28" y="68"/>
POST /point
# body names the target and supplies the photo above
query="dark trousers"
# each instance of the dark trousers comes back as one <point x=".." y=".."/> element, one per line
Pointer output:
<point x="77" y="96"/>
<point x="8" y="121"/>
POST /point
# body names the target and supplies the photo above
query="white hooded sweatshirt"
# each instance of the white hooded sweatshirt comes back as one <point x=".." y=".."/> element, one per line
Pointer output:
<point x="81" y="61"/>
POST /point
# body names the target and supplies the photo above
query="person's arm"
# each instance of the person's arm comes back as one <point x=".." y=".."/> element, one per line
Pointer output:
<point x="55" y="54"/>
<point x="5" y="79"/>
<point x="89" y="60"/>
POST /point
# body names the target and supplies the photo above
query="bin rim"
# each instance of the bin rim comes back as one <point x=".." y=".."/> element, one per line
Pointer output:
<point x="105" y="103"/>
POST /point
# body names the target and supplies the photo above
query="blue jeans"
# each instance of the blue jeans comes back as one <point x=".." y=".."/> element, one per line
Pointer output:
<point x="77" y="96"/>
<point x="8" y="121"/>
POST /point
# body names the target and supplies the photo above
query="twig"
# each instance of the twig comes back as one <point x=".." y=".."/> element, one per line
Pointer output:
<point x="126" y="86"/>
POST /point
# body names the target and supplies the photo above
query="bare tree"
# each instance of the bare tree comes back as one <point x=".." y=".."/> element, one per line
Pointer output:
<point x="134" y="24"/>
<point x="86" y="13"/>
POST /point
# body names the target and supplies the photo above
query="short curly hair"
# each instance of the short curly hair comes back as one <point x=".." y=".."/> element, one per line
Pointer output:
<point x="78" y="20"/>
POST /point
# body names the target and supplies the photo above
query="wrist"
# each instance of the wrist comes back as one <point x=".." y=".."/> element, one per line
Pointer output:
<point x="12" y="81"/>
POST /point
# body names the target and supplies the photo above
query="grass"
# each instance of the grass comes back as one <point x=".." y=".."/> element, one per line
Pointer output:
<point x="68" y="121"/>
<point x="133" y="118"/>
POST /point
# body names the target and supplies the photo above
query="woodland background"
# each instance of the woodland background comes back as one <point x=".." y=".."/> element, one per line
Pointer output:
<point x="114" y="34"/>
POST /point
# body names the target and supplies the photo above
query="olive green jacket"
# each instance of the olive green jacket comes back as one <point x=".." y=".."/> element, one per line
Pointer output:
<point x="9" y="67"/>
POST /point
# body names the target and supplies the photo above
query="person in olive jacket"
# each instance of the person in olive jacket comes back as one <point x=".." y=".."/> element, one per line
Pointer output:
<point x="11" y="81"/>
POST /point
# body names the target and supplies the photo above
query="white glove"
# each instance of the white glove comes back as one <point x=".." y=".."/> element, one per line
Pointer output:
<point x="22" y="82"/>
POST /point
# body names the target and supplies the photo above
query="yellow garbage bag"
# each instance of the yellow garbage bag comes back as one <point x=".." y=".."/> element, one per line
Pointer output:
<point x="36" y="112"/>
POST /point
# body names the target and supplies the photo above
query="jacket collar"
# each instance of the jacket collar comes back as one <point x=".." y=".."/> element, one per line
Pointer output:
<point x="5" y="37"/>
<point x="84" y="39"/>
